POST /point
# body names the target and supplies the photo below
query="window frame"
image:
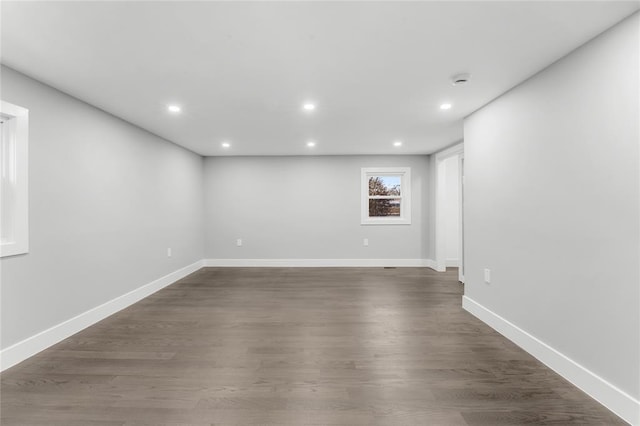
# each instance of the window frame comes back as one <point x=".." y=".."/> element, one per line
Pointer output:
<point x="18" y="164"/>
<point x="405" y="196"/>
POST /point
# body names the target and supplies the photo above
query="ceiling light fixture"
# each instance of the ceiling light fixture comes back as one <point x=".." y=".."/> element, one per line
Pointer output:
<point x="311" y="144"/>
<point x="397" y="143"/>
<point x="174" y="108"/>
<point x="308" y="106"/>
<point x="226" y="144"/>
<point x="445" y="106"/>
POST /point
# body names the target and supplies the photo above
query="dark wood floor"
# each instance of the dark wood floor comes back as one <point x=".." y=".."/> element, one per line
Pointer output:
<point x="299" y="346"/>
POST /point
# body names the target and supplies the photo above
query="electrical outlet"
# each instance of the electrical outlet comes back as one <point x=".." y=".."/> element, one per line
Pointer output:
<point x="239" y="242"/>
<point x="487" y="276"/>
<point x="169" y="252"/>
<point x="365" y="242"/>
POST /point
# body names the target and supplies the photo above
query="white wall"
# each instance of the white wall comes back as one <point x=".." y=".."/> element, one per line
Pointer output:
<point x="552" y="206"/>
<point x="306" y="208"/>
<point x="106" y="201"/>
<point x="452" y="210"/>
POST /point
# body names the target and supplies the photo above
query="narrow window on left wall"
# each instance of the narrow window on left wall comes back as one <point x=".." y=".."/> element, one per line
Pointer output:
<point x="14" y="175"/>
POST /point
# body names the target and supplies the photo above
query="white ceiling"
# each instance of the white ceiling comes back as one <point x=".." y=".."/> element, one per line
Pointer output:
<point x="378" y="71"/>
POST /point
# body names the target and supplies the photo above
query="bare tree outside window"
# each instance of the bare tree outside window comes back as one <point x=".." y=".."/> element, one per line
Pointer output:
<point x="384" y="196"/>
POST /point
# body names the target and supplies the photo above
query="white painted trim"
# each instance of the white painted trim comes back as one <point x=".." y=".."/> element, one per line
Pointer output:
<point x="319" y="263"/>
<point x="440" y="240"/>
<point x="616" y="400"/>
<point x="32" y="345"/>
<point x="434" y="265"/>
<point x="453" y="263"/>
<point x="450" y="152"/>
<point x="430" y="263"/>
<point x="41" y="341"/>
<point x="16" y="159"/>
<point x="405" y="198"/>
<point x="461" y="216"/>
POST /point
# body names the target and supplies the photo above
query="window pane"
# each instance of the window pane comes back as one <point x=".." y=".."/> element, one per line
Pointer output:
<point x="384" y="207"/>
<point x="384" y="185"/>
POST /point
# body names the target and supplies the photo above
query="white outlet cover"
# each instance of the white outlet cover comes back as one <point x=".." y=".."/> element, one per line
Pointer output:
<point x="487" y="276"/>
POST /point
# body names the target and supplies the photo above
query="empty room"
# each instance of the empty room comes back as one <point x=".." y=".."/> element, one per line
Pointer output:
<point x="319" y="213"/>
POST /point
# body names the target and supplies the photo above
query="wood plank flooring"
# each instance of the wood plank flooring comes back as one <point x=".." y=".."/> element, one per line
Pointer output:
<point x="294" y="346"/>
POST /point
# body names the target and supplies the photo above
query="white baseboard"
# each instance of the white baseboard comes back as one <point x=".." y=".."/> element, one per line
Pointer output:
<point x="430" y="263"/>
<point x="28" y="347"/>
<point x="319" y="263"/>
<point x="22" y="350"/>
<point x="452" y="263"/>
<point x="616" y="400"/>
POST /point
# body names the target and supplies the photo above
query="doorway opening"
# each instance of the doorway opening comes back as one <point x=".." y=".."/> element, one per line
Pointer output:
<point x="449" y="236"/>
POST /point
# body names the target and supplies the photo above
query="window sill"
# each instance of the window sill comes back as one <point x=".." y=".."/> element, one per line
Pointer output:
<point x="385" y="222"/>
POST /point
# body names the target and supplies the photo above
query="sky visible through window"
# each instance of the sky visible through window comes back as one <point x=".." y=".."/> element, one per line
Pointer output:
<point x="384" y="185"/>
<point x="390" y="181"/>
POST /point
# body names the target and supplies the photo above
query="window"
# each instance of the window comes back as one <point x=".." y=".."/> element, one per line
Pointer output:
<point x="386" y="196"/>
<point x="14" y="197"/>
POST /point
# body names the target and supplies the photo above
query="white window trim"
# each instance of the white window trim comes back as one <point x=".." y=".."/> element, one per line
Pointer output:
<point x="19" y="165"/>
<point x="405" y="206"/>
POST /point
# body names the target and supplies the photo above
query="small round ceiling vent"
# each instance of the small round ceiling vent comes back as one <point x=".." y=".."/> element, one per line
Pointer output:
<point x="460" y="79"/>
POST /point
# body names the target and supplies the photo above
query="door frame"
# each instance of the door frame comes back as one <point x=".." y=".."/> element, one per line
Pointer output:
<point x="461" y="217"/>
<point x="440" y="223"/>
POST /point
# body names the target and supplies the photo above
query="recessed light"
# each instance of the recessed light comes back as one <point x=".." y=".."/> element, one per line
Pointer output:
<point x="226" y="144"/>
<point x="397" y="143"/>
<point x="445" y="106"/>
<point x="311" y="144"/>
<point x="309" y="106"/>
<point x="174" y="108"/>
